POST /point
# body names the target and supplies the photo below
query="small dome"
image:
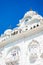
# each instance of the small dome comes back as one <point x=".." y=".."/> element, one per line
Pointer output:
<point x="8" y="32"/>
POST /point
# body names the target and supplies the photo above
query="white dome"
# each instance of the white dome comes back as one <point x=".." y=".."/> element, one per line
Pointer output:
<point x="8" y="32"/>
<point x="30" y="13"/>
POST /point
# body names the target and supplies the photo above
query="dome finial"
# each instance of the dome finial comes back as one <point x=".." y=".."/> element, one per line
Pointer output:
<point x="30" y="9"/>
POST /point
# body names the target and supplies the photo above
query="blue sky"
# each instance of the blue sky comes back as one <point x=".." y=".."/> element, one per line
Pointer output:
<point x="13" y="10"/>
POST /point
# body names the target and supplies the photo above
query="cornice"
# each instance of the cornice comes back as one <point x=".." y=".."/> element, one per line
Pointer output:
<point x="21" y="35"/>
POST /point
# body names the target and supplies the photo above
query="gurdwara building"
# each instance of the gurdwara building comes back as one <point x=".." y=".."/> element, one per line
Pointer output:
<point x="23" y="45"/>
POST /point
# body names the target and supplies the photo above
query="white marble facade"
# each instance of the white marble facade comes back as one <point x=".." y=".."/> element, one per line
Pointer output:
<point x="23" y="45"/>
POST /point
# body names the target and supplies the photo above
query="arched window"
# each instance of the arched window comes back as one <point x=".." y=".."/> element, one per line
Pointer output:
<point x="33" y="46"/>
<point x="27" y="19"/>
<point x="13" y="56"/>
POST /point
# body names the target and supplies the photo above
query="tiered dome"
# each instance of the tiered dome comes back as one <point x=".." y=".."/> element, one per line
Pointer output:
<point x="29" y="18"/>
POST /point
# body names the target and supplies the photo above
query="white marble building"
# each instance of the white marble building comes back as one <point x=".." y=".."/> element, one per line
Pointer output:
<point x="24" y="44"/>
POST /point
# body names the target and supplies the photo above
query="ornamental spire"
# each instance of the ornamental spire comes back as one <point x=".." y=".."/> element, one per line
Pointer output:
<point x="10" y="26"/>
